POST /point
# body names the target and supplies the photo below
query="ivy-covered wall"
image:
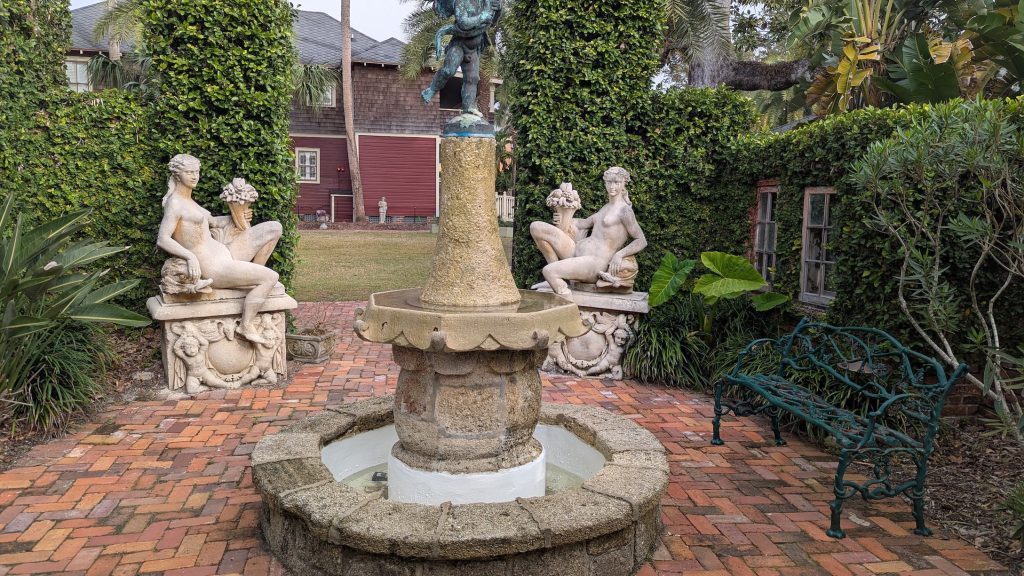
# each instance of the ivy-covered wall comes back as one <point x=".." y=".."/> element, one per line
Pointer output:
<point x="823" y="153"/>
<point x="225" y="87"/>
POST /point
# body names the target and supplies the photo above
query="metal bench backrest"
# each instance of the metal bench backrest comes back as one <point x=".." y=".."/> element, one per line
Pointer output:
<point x="873" y="364"/>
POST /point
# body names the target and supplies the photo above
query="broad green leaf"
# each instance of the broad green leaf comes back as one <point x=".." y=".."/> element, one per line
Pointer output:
<point x="731" y="267"/>
<point x="768" y="300"/>
<point x="714" y="286"/>
<point x="5" y="211"/>
<point x="104" y="313"/>
<point x="669" y="277"/>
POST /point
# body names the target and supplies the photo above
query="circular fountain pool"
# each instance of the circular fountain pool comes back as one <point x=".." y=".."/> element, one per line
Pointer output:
<point x="325" y="515"/>
<point x="362" y="462"/>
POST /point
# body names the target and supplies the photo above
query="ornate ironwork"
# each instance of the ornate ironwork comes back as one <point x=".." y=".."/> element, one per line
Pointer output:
<point x="889" y="377"/>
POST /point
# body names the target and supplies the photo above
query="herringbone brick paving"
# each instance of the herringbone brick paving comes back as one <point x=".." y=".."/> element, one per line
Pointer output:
<point x="165" y="487"/>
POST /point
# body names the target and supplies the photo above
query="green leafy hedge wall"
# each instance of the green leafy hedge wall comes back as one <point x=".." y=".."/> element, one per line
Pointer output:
<point x="581" y="100"/>
<point x="225" y="88"/>
<point x="822" y="154"/>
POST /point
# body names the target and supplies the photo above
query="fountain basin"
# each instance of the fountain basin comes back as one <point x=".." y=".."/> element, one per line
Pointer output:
<point x="317" y="525"/>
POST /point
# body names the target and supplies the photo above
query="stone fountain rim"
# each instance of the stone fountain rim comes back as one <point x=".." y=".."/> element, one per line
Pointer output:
<point x="293" y="482"/>
<point x="471" y="329"/>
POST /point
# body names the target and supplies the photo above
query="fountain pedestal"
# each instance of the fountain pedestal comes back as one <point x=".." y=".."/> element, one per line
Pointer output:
<point x="469" y="344"/>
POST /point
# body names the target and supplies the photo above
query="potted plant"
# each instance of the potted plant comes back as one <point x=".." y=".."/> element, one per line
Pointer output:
<point x="315" y="342"/>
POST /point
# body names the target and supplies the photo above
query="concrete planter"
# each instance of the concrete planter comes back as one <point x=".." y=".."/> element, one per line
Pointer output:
<point x="311" y="348"/>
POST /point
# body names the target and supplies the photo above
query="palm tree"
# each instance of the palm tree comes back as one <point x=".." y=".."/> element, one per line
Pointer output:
<point x="358" y="206"/>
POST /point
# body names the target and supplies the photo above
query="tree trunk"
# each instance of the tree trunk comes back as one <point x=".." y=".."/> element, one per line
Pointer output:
<point x="716" y="70"/>
<point x="358" y="206"/>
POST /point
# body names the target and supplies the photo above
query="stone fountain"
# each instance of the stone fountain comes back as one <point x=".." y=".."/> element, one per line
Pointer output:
<point x="463" y="471"/>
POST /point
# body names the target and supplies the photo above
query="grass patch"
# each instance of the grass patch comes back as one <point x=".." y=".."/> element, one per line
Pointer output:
<point x="339" y="265"/>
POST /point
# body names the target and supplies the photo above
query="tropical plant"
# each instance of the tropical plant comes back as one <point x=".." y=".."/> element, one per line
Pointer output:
<point x="728" y="277"/>
<point x="45" y="286"/>
<point x="973" y="152"/>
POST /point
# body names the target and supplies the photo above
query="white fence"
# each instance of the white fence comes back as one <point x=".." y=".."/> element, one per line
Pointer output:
<point x="506" y="207"/>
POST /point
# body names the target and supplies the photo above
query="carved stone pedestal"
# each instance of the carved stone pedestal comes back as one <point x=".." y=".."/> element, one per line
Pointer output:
<point x="599" y="352"/>
<point x="201" y="349"/>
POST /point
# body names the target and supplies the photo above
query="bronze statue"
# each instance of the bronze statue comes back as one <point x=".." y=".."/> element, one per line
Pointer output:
<point x="469" y="40"/>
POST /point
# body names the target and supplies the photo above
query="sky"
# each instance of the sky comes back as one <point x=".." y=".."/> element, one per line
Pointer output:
<point x="378" y="19"/>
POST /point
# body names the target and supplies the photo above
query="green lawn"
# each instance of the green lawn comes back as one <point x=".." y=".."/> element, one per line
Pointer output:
<point x="350" y="265"/>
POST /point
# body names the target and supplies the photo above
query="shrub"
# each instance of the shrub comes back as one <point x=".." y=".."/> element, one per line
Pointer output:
<point x="225" y="83"/>
<point x="47" y="290"/>
<point x="1014" y="504"/>
<point x="947" y="195"/>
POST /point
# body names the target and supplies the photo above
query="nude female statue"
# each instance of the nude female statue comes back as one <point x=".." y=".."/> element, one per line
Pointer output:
<point x="185" y="232"/>
<point x="603" y="256"/>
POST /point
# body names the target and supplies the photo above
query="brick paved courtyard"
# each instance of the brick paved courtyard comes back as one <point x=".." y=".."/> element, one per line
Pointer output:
<point x="165" y="487"/>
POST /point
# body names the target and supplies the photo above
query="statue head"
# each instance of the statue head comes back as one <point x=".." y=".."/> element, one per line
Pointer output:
<point x="615" y="180"/>
<point x="184" y="169"/>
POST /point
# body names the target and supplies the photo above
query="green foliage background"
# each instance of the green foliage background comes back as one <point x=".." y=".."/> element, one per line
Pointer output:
<point x="225" y="85"/>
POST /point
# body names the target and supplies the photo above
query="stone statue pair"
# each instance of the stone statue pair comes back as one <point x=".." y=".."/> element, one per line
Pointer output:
<point x="221" y="308"/>
<point x="216" y="251"/>
<point x="596" y="250"/>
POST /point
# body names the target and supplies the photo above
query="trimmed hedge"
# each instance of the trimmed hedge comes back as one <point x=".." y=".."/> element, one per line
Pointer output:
<point x="225" y="87"/>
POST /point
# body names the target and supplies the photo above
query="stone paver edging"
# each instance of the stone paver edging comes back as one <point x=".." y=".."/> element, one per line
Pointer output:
<point x="317" y="526"/>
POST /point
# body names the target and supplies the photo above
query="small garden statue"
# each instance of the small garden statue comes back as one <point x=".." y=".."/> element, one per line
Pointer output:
<point x="382" y="207"/>
<point x="605" y="257"/>
<point x="220" y="306"/>
<point x="469" y="40"/>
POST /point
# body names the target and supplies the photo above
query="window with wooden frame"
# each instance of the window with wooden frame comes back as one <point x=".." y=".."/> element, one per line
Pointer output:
<point x="817" y="269"/>
<point x="307" y="165"/>
<point x="765" y="232"/>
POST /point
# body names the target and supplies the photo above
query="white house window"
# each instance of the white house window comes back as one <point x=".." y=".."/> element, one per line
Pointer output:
<point x="307" y="165"/>
<point x="817" y="285"/>
<point x="329" y="98"/>
<point x="765" y="231"/>
<point x="78" y="74"/>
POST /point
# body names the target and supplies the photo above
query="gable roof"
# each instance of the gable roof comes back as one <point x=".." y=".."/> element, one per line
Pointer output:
<point x="317" y="38"/>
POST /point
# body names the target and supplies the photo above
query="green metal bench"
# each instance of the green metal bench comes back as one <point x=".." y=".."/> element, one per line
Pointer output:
<point x="891" y="379"/>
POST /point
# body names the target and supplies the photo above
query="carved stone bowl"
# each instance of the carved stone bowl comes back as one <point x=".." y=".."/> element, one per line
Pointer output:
<point x="317" y="526"/>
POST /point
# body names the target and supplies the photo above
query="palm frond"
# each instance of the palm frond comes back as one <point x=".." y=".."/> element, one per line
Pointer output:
<point x="421" y="26"/>
<point x="122" y="23"/>
<point x="696" y="27"/>
<point x="310" y="82"/>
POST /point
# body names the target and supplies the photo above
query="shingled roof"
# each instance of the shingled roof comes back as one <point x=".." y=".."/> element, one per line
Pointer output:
<point x="317" y="37"/>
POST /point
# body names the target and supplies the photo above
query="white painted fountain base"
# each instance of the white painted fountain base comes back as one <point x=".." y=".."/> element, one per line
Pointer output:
<point x="407" y="484"/>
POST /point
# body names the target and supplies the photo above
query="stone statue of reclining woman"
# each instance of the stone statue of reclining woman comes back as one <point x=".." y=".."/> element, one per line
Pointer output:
<point x="605" y="257"/>
<point x="187" y="232"/>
